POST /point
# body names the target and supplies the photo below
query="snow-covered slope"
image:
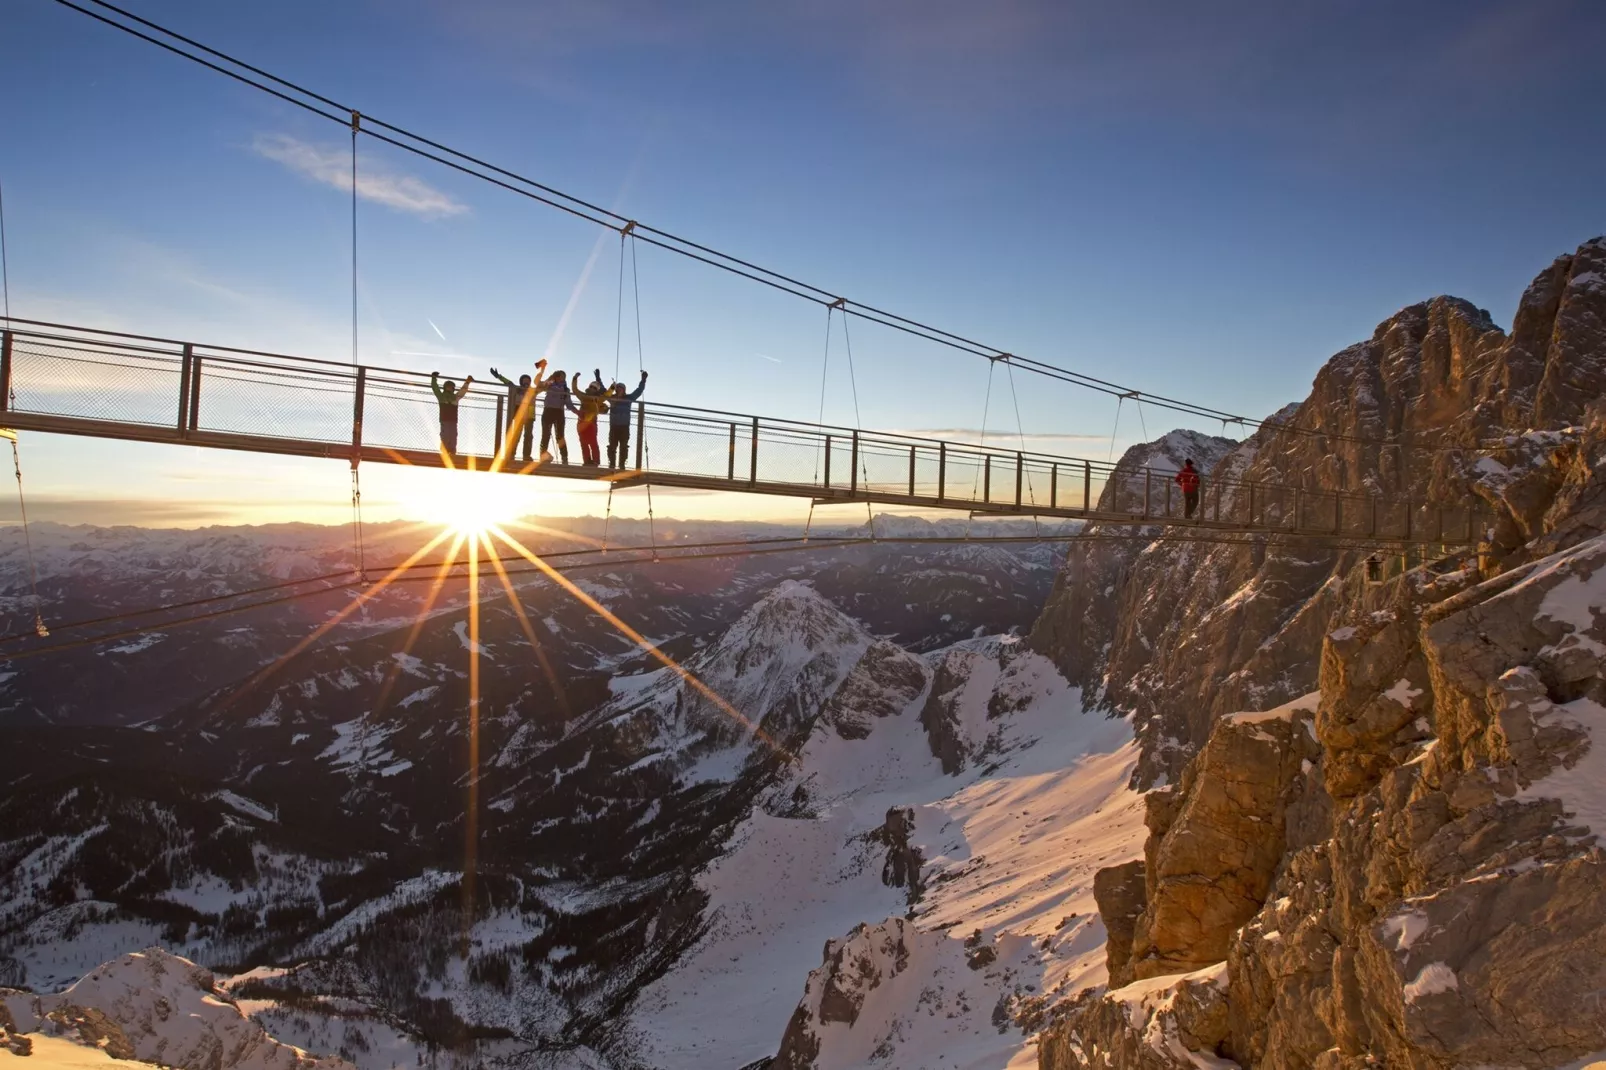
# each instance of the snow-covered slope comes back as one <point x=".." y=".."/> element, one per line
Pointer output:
<point x="1002" y="859"/>
<point x="170" y="1011"/>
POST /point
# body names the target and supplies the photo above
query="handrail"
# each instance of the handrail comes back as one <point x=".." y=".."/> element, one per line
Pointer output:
<point x="1001" y="476"/>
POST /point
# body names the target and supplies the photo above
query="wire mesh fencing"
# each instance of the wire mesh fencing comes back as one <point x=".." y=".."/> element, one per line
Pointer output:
<point x="212" y="395"/>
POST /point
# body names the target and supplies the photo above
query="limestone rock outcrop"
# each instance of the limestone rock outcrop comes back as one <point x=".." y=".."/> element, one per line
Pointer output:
<point x="1435" y="893"/>
<point x="1212" y="858"/>
<point x="1182" y="634"/>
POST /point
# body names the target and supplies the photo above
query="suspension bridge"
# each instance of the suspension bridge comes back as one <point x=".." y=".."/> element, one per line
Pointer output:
<point x="71" y="380"/>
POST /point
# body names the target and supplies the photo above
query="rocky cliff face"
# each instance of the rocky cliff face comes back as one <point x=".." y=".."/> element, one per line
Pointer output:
<point x="1181" y="634"/>
<point x="1408" y="871"/>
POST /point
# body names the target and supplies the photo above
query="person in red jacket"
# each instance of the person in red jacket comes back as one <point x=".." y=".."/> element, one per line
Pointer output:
<point x="1188" y="480"/>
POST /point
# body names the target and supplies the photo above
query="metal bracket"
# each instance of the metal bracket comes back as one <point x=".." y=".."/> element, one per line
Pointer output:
<point x="628" y="229"/>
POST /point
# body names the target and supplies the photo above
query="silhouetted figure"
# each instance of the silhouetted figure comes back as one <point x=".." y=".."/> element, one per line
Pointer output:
<point x="520" y="413"/>
<point x="593" y="403"/>
<point x="557" y="403"/>
<point x="1188" y="480"/>
<point x="619" y="406"/>
<point x="447" y="395"/>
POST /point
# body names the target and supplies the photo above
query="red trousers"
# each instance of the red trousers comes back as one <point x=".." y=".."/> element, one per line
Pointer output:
<point x="589" y="453"/>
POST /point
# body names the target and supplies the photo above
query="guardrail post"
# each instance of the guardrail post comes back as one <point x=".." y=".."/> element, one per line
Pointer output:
<point x="498" y="437"/>
<point x="1020" y="463"/>
<point x="827" y="482"/>
<point x="356" y="417"/>
<point x="1217" y="489"/>
<point x="752" y="463"/>
<point x="1338" y="515"/>
<point x="5" y="370"/>
<point x="1299" y="500"/>
<point x="853" y="466"/>
<point x="195" y="392"/>
<point x="986" y="477"/>
<point x="942" y="469"/>
<point x="1054" y="485"/>
<point x="1410" y="518"/>
<point x="185" y="370"/>
<point x="1087" y="486"/>
<point x="911" y="471"/>
<point x="730" y="457"/>
<point x="641" y="432"/>
<point x="1438" y="524"/>
<point x="1168" y="496"/>
<point x="1147" y="482"/>
<point x="1251" y="505"/>
<point x="1373" y="530"/>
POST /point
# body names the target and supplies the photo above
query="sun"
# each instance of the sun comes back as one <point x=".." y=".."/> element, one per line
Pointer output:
<point x="465" y="503"/>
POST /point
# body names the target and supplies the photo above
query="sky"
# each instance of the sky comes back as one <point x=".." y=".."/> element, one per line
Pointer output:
<point x="1205" y="201"/>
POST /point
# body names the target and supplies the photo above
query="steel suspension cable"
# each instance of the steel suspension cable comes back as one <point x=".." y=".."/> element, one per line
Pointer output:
<point x="858" y="421"/>
<point x="663" y="239"/>
<point x="1020" y="429"/>
<point x="27" y="543"/>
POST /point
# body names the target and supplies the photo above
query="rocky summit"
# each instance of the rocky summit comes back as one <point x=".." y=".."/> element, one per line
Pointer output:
<point x="1400" y="865"/>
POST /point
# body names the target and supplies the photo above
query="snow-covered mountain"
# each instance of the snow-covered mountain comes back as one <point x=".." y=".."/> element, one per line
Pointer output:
<point x="306" y="827"/>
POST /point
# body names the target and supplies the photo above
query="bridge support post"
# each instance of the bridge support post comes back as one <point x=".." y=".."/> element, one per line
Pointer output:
<point x="942" y="469"/>
<point x="1147" y="483"/>
<point x="1054" y="485"/>
<point x="1299" y="500"/>
<point x="853" y="466"/>
<point x="1168" y="497"/>
<point x="1438" y="524"/>
<point x="641" y="432"/>
<point x="752" y="461"/>
<point x="1410" y="517"/>
<point x="1217" y="489"/>
<point x="1020" y="467"/>
<point x="827" y="484"/>
<point x="195" y="392"/>
<point x="987" y="477"/>
<point x="185" y="370"/>
<point x="499" y="441"/>
<point x="730" y="456"/>
<point x="1374" y="516"/>
<point x="1338" y="514"/>
<point x="357" y="402"/>
<point x="5" y="371"/>
<point x="1087" y="486"/>
<point x="1251" y="505"/>
<point x="911" y="471"/>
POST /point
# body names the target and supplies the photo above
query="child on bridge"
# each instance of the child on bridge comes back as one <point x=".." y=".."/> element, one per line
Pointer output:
<point x="592" y="405"/>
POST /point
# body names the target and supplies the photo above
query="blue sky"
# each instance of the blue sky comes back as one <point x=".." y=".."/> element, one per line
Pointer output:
<point x="1201" y="202"/>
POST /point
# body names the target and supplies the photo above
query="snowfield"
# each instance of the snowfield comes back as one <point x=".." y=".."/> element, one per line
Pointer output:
<point x="1010" y="851"/>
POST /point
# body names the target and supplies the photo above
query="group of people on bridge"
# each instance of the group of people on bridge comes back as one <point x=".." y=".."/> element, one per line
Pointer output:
<point x="559" y="396"/>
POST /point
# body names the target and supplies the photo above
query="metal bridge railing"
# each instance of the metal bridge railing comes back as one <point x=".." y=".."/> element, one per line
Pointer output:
<point x="185" y="390"/>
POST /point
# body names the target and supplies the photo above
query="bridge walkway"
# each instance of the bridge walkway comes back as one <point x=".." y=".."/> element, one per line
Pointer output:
<point x="70" y="380"/>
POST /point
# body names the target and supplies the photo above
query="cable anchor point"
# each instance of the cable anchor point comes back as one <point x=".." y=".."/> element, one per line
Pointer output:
<point x="356" y="121"/>
<point x="840" y="303"/>
<point x="628" y="229"/>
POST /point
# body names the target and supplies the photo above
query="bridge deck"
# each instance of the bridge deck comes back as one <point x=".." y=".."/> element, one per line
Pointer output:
<point x="77" y="381"/>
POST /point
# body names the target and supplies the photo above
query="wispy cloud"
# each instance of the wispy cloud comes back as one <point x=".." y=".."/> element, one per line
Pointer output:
<point x="331" y="166"/>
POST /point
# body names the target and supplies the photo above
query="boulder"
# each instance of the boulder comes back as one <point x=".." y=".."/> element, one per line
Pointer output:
<point x="1210" y="869"/>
